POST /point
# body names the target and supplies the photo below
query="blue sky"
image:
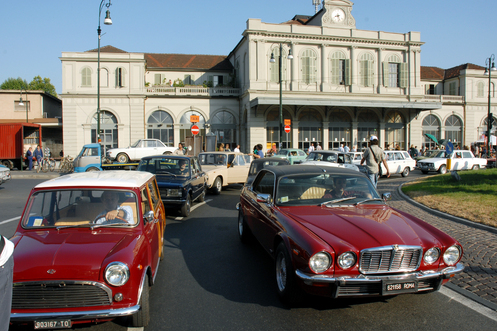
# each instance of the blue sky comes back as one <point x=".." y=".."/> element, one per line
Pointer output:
<point x="35" y="34"/>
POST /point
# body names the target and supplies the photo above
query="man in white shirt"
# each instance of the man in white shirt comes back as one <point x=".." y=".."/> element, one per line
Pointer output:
<point x="311" y="148"/>
<point x="319" y="148"/>
<point x="237" y="149"/>
<point x="6" y="280"/>
<point x="341" y="149"/>
<point x="346" y="149"/>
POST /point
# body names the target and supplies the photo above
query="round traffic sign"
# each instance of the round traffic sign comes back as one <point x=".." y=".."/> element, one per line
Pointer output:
<point x="195" y="130"/>
<point x="287" y="128"/>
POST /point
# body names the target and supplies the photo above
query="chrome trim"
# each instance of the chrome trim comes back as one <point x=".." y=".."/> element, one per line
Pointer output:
<point x="75" y="315"/>
<point x="418" y="275"/>
<point x="394" y="249"/>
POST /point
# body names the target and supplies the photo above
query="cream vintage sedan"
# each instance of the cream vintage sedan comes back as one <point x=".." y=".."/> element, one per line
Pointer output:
<point x="224" y="168"/>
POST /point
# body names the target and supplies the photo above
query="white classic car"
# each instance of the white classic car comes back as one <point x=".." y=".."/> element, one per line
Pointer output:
<point x="141" y="148"/>
<point x="459" y="160"/>
<point x="224" y="168"/>
<point x="4" y="174"/>
<point x="399" y="162"/>
<point x="331" y="159"/>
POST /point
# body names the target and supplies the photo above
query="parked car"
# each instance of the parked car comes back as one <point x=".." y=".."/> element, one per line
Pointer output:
<point x="259" y="164"/>
<point x="356" y="157"/>
<point x="4" y="174"/>
<point x="427" y="154"/>
<point x="87" y="249"/>
<point x="140" y="149"/>
<point x="224" y="168"/>
<point x="332" y="234"/>
<point x="459" y="159"/>
<point x="330" y="158"/>
<point x="293" y="155"/>
<point x="180" y="179"/>
<point x="399" y="162"/>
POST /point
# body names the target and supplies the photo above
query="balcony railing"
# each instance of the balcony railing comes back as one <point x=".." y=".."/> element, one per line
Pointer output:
<point x="192" y="91"/>
<point x="444" y="98"/>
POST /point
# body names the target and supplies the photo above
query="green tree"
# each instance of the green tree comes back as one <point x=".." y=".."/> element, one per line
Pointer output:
<point x="42" y="84"/>
<point x="14" y="84"/>
<point x="36" y="84"/>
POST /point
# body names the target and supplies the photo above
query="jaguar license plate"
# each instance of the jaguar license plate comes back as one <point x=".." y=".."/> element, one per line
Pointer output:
<point x="399" y="287"/>
<point x="53" y="324"/>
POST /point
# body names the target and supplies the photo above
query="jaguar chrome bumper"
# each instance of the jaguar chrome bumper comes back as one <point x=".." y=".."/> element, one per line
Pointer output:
<point x="75" y="315"/>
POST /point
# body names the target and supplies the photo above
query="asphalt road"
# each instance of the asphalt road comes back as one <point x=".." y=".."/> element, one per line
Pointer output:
<point x="209" y="280"/>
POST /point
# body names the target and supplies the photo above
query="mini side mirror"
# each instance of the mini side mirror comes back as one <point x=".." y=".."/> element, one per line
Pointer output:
<point x="149" y="216"/>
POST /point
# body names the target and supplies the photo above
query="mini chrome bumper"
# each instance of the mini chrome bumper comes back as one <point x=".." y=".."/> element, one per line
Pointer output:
<point x="74" y="315"/>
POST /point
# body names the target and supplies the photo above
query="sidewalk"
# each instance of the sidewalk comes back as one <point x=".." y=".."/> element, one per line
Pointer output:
<point x="26" y="174"/>
<point x="479" y="279"/>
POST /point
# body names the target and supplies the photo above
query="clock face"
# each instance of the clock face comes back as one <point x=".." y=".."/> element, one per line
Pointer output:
<point x="338" y="16"/>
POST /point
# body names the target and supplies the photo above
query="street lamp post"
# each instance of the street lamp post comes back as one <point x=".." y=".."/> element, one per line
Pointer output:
<point x="107" y="21"/>
<point x="272" y="60"/>
<point x="491" y="67"/>
<point x="22" y="104"/>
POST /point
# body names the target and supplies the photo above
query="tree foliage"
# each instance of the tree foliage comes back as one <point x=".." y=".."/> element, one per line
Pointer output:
<point x="37" y="83"/>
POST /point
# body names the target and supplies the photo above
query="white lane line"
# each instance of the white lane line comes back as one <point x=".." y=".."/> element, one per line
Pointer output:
<point x="179" y="218"/>
<point x="11" y="220"/>
<point x="487" y="312"/>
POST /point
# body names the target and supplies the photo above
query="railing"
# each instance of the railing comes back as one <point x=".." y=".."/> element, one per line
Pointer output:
<point x="192" y="90"/>
<point x="444" y="98"/>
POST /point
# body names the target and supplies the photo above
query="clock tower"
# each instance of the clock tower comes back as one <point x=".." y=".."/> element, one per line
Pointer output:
<point x="335" y="14"/>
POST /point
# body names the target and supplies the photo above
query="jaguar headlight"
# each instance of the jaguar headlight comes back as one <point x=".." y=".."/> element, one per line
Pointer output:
<point x="117" y="274"/>
<point x="452" y="255"/>
<point x="347" y="260"/>
<point x="320" y="262"/>
<point x="431" y="255"/>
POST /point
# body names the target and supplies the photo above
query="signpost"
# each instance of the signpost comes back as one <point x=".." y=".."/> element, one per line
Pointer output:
<point x="195" y="130"/>
<point x="287" y="128"/>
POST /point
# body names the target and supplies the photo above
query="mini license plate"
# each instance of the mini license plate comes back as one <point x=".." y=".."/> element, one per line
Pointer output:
<point x="53" y="324"/>
<point x="398" y="287"/>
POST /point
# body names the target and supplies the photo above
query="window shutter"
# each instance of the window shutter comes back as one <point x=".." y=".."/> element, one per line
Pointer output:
<point x="348" y="73"/>
<point x="157" y="79"/>
<point x="335" y="71"/>
<point x="192" y="79"/>
<point x="312" y="69"/>
<point x="403" y="75"/>
<point x="386" y="74"/>
<point x="370" y="73"/>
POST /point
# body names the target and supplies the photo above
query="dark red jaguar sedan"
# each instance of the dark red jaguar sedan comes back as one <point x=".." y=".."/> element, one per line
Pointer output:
<point x="332" y="234"/>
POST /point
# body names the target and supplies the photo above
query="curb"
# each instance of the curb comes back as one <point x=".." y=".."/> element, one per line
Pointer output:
<point x="459" y="220"/>
<point x="34" y="175"/>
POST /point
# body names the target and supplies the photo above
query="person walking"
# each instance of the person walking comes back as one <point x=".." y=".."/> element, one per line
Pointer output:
<point x="373" y="156"/>
<point x="180" y="150"/>
<point x="319" y="148"/>
<point x="346" y="149"/>
<point x="237" y="149"/>
<point x="311" y="148"/>
<point x="38" y="155"/>
<point x="6" y="280"/>
<point x="258" y="153"/>
<point x="341" y="149"/>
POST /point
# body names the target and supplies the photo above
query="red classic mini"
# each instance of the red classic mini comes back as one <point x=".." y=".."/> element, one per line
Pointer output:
<point x="87" y="249"/>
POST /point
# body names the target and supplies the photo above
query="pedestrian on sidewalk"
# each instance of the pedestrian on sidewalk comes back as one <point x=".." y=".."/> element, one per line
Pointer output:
<point x="373" y="156"/>
<point x="29" y="156"/>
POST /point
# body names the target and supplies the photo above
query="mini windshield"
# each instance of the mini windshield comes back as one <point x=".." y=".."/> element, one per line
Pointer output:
<point x="325" y="189"/>
<point x="166" y="166"/>
<point x="80" y="208"/>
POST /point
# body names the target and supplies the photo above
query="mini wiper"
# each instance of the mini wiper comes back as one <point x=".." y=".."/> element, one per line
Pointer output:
<point x="368" y="200"/>
<point x="94" y="226"/>
<point x="71" y="226"/>
<point x="336" y="200"/>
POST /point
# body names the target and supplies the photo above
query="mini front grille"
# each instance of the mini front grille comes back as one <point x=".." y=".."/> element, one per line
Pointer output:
<point x="390" y="259"/>
<point x="60" y="294"/>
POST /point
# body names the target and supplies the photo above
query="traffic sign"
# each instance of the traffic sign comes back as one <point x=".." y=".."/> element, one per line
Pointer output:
<point x="195" y="130"/>
<point x="287" y="122"/>
<point x="287" y="128"/>
<point x="194" y="118"/>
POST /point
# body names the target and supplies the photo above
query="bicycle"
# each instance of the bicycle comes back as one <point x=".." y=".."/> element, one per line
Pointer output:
<point x="66" y="164"/>
<point x="43" y="165"/>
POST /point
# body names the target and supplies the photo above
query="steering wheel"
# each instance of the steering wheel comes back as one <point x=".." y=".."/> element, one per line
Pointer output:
<point x="117" y="220"/>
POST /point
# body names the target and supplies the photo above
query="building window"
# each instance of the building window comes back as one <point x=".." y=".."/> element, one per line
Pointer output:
<point x="430" y="89"/>
<point x="394" y="72"/>
<point x="160" y="126"/>
<point x="339" y="130"/>
<point x="452" y="88"/>
<point x="108" y="130"/>
<point x="274" y="67"/>
<point x="189" y="80"/>
<point x="120" y="77"/>
<point x="86" y="77"/>
<point x="395" y="131"/>
<point x="430" y="125"/>
<point x="223" y="124"/>
<point x="480" y="90"/>
<point x="367" y="126"/>
<point x="453" y="129"/>
<point x="308" y="67"/>
<point x="366" y="65"/>
<point x="273" y="129"/>
<point x="340" y="69"/>
<point x="217" y="80"/>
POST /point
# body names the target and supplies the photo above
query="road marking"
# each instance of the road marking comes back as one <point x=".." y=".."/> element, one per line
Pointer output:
<point x="135" y="329"/>
<point x="10" y="220"/>
<point x="179" y="218"/>
<point x="487" y="312"/>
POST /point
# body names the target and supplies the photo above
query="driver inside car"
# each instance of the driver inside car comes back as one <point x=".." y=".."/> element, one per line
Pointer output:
<point x="338" y="192"/>
<point x="114" y="213"/>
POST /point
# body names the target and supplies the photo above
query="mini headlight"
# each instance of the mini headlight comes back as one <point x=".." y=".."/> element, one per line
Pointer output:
<point x="452" y="254"/>
<point x="432" y="255"/>
<point x="117" y="273"/>
<point x="320" y="262"/>
<point x="347" y="260"/>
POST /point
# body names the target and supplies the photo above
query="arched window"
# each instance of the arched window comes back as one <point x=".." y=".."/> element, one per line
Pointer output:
<point x="108" y="129"/>
<point x="308" y="67"/>
<point x="340" y="69"/>
<point x="453" y="129"/>
<point x="367" y="126"/>
<point x="340" y="128"/>
<point x="494" y="125"/>
<point x="160" y="126"/>
<point x="395" y="130"/>
<point x="104" y="77"/>
<point x="223" y="124"/>
<point x="430" y="125"/>
<point x="274" y="67"/>
<point x="273" y="129"/>
<point x="366" y="66"/>
<point x="186" y="124"/>
<point x="310" y="128"/>
<point x="86" y="77"/>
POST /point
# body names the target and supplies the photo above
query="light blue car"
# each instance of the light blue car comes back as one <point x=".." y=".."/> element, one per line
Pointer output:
<point x="293" y="155"/>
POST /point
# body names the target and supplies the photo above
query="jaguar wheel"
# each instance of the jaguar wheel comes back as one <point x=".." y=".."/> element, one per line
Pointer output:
<point x="243" y="230"/>
<point x="286" y="284"/>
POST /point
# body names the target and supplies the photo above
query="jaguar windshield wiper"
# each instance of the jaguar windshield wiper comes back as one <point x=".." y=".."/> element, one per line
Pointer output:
<point x="336" y="200"/>
<point x="368" y="200"/>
